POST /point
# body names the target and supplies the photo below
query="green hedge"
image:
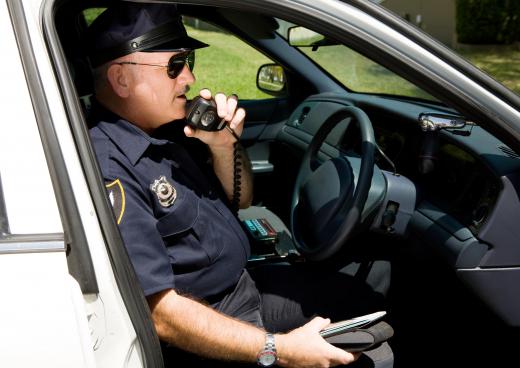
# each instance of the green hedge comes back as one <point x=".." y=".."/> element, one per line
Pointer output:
<point x="488" y="21"/>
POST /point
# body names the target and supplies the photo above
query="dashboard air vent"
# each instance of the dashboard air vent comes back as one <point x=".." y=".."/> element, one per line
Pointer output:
<point x="509" y="152"/>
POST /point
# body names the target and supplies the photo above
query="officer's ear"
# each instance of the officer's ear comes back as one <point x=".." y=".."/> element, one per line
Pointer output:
<point x="118" y="78"/>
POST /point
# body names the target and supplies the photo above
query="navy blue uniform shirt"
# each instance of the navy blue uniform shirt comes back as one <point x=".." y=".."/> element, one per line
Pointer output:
<point x="185" y="237"/>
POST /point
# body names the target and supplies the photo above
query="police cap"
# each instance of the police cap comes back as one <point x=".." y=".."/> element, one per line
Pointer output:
<point x="124" y="28"/>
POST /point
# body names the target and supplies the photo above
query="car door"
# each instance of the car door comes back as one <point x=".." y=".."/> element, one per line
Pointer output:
<point x="42" y="314"/>
<point x="67" y="304"/>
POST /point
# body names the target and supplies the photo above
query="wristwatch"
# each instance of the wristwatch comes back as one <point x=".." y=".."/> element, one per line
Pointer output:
<point x="267" y="356"/>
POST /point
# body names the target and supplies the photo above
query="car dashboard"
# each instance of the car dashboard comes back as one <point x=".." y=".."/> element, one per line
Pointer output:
<point x="464" y="208"/>
<point x="461" y="184"/>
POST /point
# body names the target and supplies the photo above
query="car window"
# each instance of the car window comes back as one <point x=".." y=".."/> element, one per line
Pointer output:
<point x="92" y="13"/>
<point x="228" y="65"/>
<point x="484" y="32"/>
<point x="353" y="70"/>
<point x="361" y="74"/>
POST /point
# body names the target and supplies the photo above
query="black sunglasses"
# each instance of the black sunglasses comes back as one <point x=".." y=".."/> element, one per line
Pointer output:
<point x="175" y="64"/>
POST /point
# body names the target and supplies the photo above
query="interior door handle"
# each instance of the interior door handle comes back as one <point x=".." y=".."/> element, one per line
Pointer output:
<point x="261" y="166"/>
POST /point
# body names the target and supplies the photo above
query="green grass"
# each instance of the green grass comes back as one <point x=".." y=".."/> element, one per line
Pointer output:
<point x="238" y="64"/>
<point x="500" y="62"/>
<point x="228" y="65"/>
<point x="91" y="14"/>
<point x="361" y="74"/>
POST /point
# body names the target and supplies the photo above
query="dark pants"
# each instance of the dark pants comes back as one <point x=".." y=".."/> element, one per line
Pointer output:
<point x="293" y="295"/>
<point x="284" y="297"/>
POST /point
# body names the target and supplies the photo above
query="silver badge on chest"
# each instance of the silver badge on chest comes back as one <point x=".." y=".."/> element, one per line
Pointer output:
<point x="166" y="193"/>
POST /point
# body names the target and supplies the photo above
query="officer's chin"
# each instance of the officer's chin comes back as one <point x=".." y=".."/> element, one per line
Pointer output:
<point x="178" y="116"/>
<point x="179" y="111"/>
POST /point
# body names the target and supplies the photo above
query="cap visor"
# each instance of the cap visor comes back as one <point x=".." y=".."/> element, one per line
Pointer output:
<point x="178" y="44"/>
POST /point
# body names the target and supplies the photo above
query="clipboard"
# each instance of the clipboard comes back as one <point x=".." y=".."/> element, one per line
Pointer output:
<point x="341" y="327"/>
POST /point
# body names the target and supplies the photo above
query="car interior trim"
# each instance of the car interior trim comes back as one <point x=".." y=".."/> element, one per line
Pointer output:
<point x="505" y="301"/>
<point x="397" y="207"/>
<point x="501" y="228"/>
<point x="261" y="166"/>
<point x="426" y="231"/>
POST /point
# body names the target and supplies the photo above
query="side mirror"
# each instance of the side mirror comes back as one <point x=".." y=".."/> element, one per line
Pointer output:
<point x="271" y="79"/>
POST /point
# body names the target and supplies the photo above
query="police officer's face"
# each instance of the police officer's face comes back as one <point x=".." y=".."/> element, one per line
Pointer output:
<point x="154" y="96"/>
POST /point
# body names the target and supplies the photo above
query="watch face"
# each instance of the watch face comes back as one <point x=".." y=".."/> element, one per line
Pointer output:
<point x="267" y="358"/>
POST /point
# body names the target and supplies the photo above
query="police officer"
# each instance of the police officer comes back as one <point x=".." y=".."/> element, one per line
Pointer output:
<point x="171" y="196"/>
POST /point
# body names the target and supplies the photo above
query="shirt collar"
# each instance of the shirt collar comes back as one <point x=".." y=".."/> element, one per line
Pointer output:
<point x="131" y="140"/>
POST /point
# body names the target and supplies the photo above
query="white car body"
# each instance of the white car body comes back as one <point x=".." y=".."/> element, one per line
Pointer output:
<point x="46" y="320"/>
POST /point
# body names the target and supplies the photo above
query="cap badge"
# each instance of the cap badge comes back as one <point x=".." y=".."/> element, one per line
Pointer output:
<point x="166" y="193"/>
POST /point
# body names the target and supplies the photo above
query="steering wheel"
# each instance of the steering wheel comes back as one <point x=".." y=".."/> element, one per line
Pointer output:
<point x="328" y="201"/>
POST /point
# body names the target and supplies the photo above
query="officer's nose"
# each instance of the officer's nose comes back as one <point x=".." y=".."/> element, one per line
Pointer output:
<point x="186" y="77"/>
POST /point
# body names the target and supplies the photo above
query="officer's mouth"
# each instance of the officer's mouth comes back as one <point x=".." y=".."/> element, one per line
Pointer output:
<point x="180" y="99"/>
<point x="182" y="96"/>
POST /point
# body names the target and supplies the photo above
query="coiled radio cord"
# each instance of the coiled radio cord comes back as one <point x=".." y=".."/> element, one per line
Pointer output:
<point x="237" y="170"/>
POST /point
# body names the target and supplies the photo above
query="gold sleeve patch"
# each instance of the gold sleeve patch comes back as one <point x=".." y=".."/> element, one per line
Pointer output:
<point x="116" y="194"/>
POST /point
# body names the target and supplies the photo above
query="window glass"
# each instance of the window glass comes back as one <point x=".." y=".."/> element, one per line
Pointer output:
<point x="484" y="32"/>
<point x="92" y="13"/>
<point x="353" y="70"/>
<point x="500" y="62"/>
<point x="228" y="65"/>
<point x="360" y="74"/>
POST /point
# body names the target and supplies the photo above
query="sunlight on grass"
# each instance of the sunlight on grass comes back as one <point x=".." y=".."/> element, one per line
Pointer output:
<point x="238" y="64"/>
<point x="91" y="14"/>
<point x="360" y="74"/>
<point x="228" y="65"/>
<point x="501" y="62"/>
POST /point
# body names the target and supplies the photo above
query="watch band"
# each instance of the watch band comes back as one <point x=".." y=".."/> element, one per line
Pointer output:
<point x="269" y="342"/>
<point x="267" y="357"/>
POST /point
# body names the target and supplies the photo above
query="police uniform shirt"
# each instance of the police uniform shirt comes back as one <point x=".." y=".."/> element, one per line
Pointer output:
<point x="177" y="228"/>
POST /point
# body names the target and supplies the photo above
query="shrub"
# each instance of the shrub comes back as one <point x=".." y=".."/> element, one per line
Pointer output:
<point x="488" y="21"/>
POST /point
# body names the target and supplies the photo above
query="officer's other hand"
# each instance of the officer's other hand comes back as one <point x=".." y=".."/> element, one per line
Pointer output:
<point x="227" y="110"/>
<point x="304" y="347"/>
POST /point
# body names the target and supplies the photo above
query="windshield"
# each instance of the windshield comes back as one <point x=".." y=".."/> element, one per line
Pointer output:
<point x="353" y="70"/>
